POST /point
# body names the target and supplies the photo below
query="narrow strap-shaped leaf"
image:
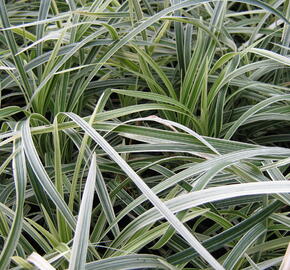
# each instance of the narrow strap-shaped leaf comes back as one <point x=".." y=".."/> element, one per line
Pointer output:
<point x="8" y="111"/>
<point x="105" y="200"/>
<point x="242" y="246"/>
<point x="132" y="261"/>
<point x="40" y="262"/>
<point x="62" y="227"/>
<point x="19" y="175"/>
<point x="81" y="238"/>
<point x="42" y="175"/>
<point x="42" y="15"/>
<point x="271" y="55"/>
<point x="169" y="233"/>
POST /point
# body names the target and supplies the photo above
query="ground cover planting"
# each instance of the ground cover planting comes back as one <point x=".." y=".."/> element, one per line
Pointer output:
<point x="148" y="134"/>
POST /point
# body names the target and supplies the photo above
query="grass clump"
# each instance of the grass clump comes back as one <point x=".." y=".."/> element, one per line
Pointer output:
<point x="144" y="134"/>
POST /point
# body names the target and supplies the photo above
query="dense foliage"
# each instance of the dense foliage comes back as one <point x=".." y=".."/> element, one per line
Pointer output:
<point x="144" y="134"/>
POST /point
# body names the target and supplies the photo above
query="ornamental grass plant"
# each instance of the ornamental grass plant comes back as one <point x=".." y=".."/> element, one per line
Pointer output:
<point x="144" y="134"/>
